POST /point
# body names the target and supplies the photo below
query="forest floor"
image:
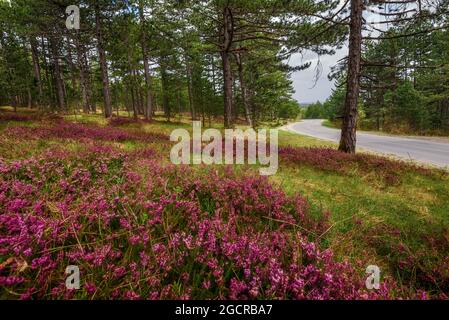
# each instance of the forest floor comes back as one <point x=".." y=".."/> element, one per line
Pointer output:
<point x="366" y="209"/>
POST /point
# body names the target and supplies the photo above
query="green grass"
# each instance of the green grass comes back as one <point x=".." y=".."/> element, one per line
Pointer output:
<point x="414" y="209"/>
<point x="295" y="140"/>
<point x="330" y="124"/>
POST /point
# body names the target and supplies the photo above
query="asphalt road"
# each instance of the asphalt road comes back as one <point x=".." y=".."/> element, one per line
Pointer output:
<point x="421" y="150"/>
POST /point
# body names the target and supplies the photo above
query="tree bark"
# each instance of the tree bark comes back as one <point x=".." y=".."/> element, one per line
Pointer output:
<point x="190" y="90"/>
<point x="103" y="64"/>
<point x="73" y="70"/>
<point x="57" y="75"/>
<point x="349" y="126"/>
<point x="46" y="58"/>
<point x="132" y="77"/>
<point x="85" y="95"/>
<point x="212" y="62"/>
<point x="30" y="99"/>
<point x="243" y="90"/>
<point x="228" y="27"/>
<point x="14" y="103"/>
<point x="165" y="98"/>
<point x="126" y="98"/>
<point x="148" y="111"/>
<point x="140" y="95"/>
<point x="87" y="72"/>
<point x="178" y="101"/>
<point x="36" y="67"/>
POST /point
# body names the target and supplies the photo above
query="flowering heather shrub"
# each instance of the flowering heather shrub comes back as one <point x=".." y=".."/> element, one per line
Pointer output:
<point x="13" y="116"/>
<point x="424" y="267"/>
<point x="18" y="116"/>
<point x="335" y="161"/>
<point x="139" y="230"/>
<point x="123" y="121"/>
<point x="67" y="130"/>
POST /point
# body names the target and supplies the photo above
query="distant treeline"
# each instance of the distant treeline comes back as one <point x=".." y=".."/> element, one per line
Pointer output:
<point x="409" y="93"/>
<point x="224" y="59"/>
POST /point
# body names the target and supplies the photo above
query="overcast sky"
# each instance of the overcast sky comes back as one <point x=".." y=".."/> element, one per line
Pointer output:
<point x="304" y="81"/>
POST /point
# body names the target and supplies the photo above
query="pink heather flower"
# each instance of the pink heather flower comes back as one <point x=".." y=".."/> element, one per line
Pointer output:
<point x="90" y="288"/>
<point x="27" y="252"/>
<point x="11" y="280"/>
<point x="38" y="207"/>
<point x="115" y="293"/>
<point x="131" y="295"/>
<point x="42" y="261"/>
<point x="134" y="240"/>
<point x="254" y="292"/>
<point x="17" y="204"/>
<point x="27" y="294"/>
<point x="185" y="277"/>
<point x="153" y="296"/>
<point x="144" y="259"/>
<point x="119" y="272"/>
<point x="188" y="242"/>
<point x="328" y="278"/>
<point x="236" y="288"/>
<point x="206" y="284"/>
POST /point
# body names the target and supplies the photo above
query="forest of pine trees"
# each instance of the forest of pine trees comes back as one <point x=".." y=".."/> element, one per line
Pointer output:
<point x="209" y="58"/>
<point x="227" y="59"/>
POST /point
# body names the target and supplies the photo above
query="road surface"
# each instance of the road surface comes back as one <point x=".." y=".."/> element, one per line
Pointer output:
<point x="421" y="150"/>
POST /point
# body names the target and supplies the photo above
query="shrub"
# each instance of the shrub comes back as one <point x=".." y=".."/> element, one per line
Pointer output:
<point x="138" y="229"/>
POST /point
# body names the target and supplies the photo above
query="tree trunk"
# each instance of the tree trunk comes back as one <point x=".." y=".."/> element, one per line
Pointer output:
<point x="57" y="75"/>
<point x="214" y="84"/>
<point x="202" y="107"/>
<point x="126" y="97"/>
<point x="83" y="77"/>
<point x="349" y="126"/>
<point x="148" y="111"/>
<point x="46" y="55"/>
<point x="85" y="58"/>
<point x="36" y="67"/>
<point x="73" y="70"/>
<point x="190" y="91"/>
<point x="243" y="90"/>
<point x="30" y="99"/>
<point x="250" y="100"/>
<point x="165" y="98"/>
<point x="14" y="103"/>
<point x="178" y="102"/>
<point x="133" y="101"/>
<point x="142" y="106"/>
<point x="134" y="94"/>
<point x="228" y="27"/>
<point x="103" y="64"/>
